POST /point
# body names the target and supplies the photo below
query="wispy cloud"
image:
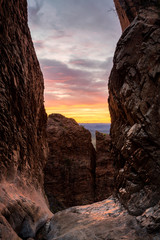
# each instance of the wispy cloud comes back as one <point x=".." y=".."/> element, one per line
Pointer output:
<point x="34" y="10"/>
<point x="74" y="41"/>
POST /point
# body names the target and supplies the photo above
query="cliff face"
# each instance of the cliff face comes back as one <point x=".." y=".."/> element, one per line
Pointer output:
<point x="74" y="162"/>
<point x="101" y="220"/>
<point x="128" y="9"/>
<point x="70" y="169"/>
<point x="23" y="118"/>
<point x="134" y="96"/>
<point x="22" y="125"/>
<point x="104" y="167"/>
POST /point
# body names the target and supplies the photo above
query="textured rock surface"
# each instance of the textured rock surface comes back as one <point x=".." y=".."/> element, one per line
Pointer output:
<point x="135" y="131"/>
<point x="103" y="220"/>
<point x="104" y="167"/>
<point x="22" y="126"/>
<point x="134" y="88"/>
<point x="23" y="211"/>
<point x="128" y="9"/>
<point x="70" y="169"/>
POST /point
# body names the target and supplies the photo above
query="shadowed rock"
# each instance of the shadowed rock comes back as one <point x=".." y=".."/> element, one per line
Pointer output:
<point x="128" y="9"/>
<point x="22" y="127"/>
<point x="135" y="131"/>
<point x="70" y="169"/>
<point x="105" y="169"/>
<point x="134" y="96"/>
<point x="103" y="220"/>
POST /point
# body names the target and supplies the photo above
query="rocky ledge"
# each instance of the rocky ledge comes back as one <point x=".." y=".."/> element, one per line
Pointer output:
<point x="23" y="148"/>
<point x="103" y="220"/>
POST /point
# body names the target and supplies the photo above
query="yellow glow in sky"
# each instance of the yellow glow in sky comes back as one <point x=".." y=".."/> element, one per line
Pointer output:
<point x="97" y="113"/>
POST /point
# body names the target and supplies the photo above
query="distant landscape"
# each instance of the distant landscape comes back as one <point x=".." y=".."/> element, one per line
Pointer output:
<point x="93" y="127"/>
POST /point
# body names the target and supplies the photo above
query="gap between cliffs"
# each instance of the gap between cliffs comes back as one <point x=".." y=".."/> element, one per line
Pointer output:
<point x="134" y="98"/>
<point x="73" y="161"/>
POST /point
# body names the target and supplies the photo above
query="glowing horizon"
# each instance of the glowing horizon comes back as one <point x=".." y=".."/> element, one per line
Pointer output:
<point x="75" y="42"/>
<point x="83" y="113"/>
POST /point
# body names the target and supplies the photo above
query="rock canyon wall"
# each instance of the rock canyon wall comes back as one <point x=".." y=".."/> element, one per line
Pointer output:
<point x="104" y="174"/>
<point x="22" y="127"/>
<point x="134" y="97"/>
<point x="70" y="169"/>
<point x="133" y="150"/>
<point x="73" y="162"/>
<point x="128" y="9"/>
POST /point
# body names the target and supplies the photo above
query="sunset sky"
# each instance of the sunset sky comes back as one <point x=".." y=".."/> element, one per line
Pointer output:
<point x="75" y="41"/>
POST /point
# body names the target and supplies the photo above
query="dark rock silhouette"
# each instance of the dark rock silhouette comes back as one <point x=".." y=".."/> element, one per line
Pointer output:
<point x="70" y="169"/>
<point x="23" y="209"/>
<point x="134" y="96"/>
<point x="74" y="162"/>
<point x="105" y="170"/>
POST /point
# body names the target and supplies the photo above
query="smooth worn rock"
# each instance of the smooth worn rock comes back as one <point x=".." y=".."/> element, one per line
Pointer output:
<point x="70" y="169"/>
<point x="23" y="207"/>
<point x="98" y="221"/>
<point x="134" y="97"/>
<point x="105" y="170"/>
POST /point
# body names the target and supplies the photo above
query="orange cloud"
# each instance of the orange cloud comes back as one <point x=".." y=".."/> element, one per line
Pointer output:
<point x="76" y="93"/>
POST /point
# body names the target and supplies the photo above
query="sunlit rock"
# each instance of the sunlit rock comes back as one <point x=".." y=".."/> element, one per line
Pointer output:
<point x="23" y="205"/>
<point x="102" y="220"/>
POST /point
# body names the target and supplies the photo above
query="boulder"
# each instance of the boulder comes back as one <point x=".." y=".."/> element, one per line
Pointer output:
<point x="103" y="220"/>
<point x="70" y="169"/>
<point x="105" y="169"/>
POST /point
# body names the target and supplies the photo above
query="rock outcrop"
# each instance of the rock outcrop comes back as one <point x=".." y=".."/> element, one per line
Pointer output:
<point x="70" y="169"/>
<point x="103" y="220"/>
<point x="74" y="162"/>
<point x="104" y="167"/>
<point x="23" y="209"/>
<point x="128" y="9"/>
<point x="134" y="97"/>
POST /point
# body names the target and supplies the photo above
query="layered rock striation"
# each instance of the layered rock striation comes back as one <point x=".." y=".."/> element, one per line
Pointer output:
<point x="70" y="169"/>
<point x="22" y="127"/>
<point x="134" y="96"/>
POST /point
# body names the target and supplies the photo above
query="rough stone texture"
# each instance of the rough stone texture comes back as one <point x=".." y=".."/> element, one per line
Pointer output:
<point x="135" y="131"/>
<point x="70" y="169"/>
<point x="150" y="219"/>
<point x="128" y="9"/>
<point x="134" y="97"/>
<point x="104" y="167"/>
<point x="23" y="211"/>
<point x="22" y="126"/>
<point x="103" y="220"/>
